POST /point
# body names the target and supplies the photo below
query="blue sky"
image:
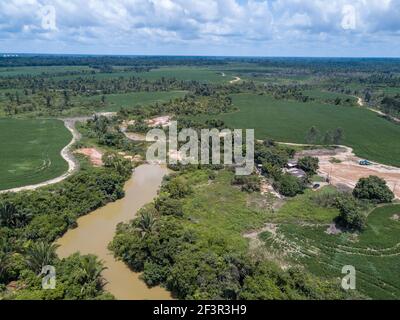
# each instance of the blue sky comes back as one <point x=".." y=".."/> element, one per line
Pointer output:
<point x="202" y="27"/>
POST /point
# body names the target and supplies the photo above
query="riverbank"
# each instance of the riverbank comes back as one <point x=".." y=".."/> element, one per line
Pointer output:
<point x="96" y="230"/>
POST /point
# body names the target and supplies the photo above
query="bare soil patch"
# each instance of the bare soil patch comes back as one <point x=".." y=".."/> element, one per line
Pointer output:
<point x="349" y="171"/>
<point x="94" y="155"/>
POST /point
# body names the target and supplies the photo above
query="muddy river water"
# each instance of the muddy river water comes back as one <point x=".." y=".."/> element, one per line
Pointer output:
<point x="97" y="229"/>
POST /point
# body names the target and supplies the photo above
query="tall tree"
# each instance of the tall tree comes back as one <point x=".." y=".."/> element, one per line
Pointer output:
<point x="338" y="136"/>
<point x="312" y="135"/>
<point x="40" y="254"/>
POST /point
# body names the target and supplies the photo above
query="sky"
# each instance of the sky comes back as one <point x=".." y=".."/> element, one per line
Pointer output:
<point x="337" y="28"/>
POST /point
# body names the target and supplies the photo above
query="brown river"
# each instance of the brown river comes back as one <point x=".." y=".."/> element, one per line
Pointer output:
<point x="96" y="230"/>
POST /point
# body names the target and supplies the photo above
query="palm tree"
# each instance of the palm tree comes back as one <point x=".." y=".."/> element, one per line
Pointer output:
<point x="91" y="269"/>
<point x="5" y="256"/>
<point x="146" y="223"/>
<point x="11" y="217"/>
<point x="41" y="254"/>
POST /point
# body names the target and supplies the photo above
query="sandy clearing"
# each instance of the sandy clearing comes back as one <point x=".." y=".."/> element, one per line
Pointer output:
<point x="94" y="155"/>
<point x="349" y="171"/>
<point x="163" y="121"/>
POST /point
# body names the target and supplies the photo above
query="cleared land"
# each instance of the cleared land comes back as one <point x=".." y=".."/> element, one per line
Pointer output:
<point x="30" y="151"/>
<point x="347" y="171"/>
<point x="371" y="136"/>
<point x="114" y="102"/>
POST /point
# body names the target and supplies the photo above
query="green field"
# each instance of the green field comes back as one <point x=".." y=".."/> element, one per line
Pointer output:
<point x="115" y="102"/>
<point x="371" y="136"/>
<point x="375" y="253"/>
<point x="30" y="151"/>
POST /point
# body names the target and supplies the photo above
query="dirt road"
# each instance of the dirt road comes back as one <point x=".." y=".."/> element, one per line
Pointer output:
<point x="237" y="79"/>
<point x="360" y="102"/>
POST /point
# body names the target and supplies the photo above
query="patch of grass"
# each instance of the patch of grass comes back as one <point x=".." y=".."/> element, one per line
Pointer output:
<point x="220" y="209"/>
<point x="30" y="151"/>
<point x="303" y="208"/>
<point x="317" y="178"/>
<point x="289" y="121"/>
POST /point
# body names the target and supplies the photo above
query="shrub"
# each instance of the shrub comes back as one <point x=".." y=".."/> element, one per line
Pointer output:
<point x="178" y="188"/>
<point x="309" y="164"/>
<point x="351" y="215"/>
<point x="374" y="189"/>
<point x="168" y="206"/>
<point x="249" y="183"/>
<point x="289" y="185"/>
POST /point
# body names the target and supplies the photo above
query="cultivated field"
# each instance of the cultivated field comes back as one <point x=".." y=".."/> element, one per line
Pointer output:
<point x="375" y="253"/>
<point x="30" y="151"/>
<point x="370" y="136"/>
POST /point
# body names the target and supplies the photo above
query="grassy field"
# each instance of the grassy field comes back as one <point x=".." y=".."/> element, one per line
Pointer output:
<point x="30" y="151"/>
<point x="218" y="209"/>
<point x="375" y="253"/>
<point x="371" y="136"/>
<point x="115" y="102"/>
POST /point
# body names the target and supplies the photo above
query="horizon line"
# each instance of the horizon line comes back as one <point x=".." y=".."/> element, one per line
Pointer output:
<point x="194" y="55"/>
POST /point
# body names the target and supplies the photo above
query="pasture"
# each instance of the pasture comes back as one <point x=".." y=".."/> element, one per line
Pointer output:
<point x="30" y="151"/>
<point x="371" y="136"/>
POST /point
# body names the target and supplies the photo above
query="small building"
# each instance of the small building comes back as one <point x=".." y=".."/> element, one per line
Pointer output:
<point x="298" y="173"/>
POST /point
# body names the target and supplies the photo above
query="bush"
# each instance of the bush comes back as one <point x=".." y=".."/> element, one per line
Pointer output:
<point x="289" y="185"/>
<point x="351" y="215"/>
<point x="178" y="188"/>
<point x="309" y="164"/>
<point x="168" y="206"/>
<point x="249" y="183"/>
<point x="120" y="164"/>
<point x="374" y="189"/>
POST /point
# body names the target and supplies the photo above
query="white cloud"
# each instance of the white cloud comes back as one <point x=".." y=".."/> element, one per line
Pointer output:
<point x="195" y="23"/>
